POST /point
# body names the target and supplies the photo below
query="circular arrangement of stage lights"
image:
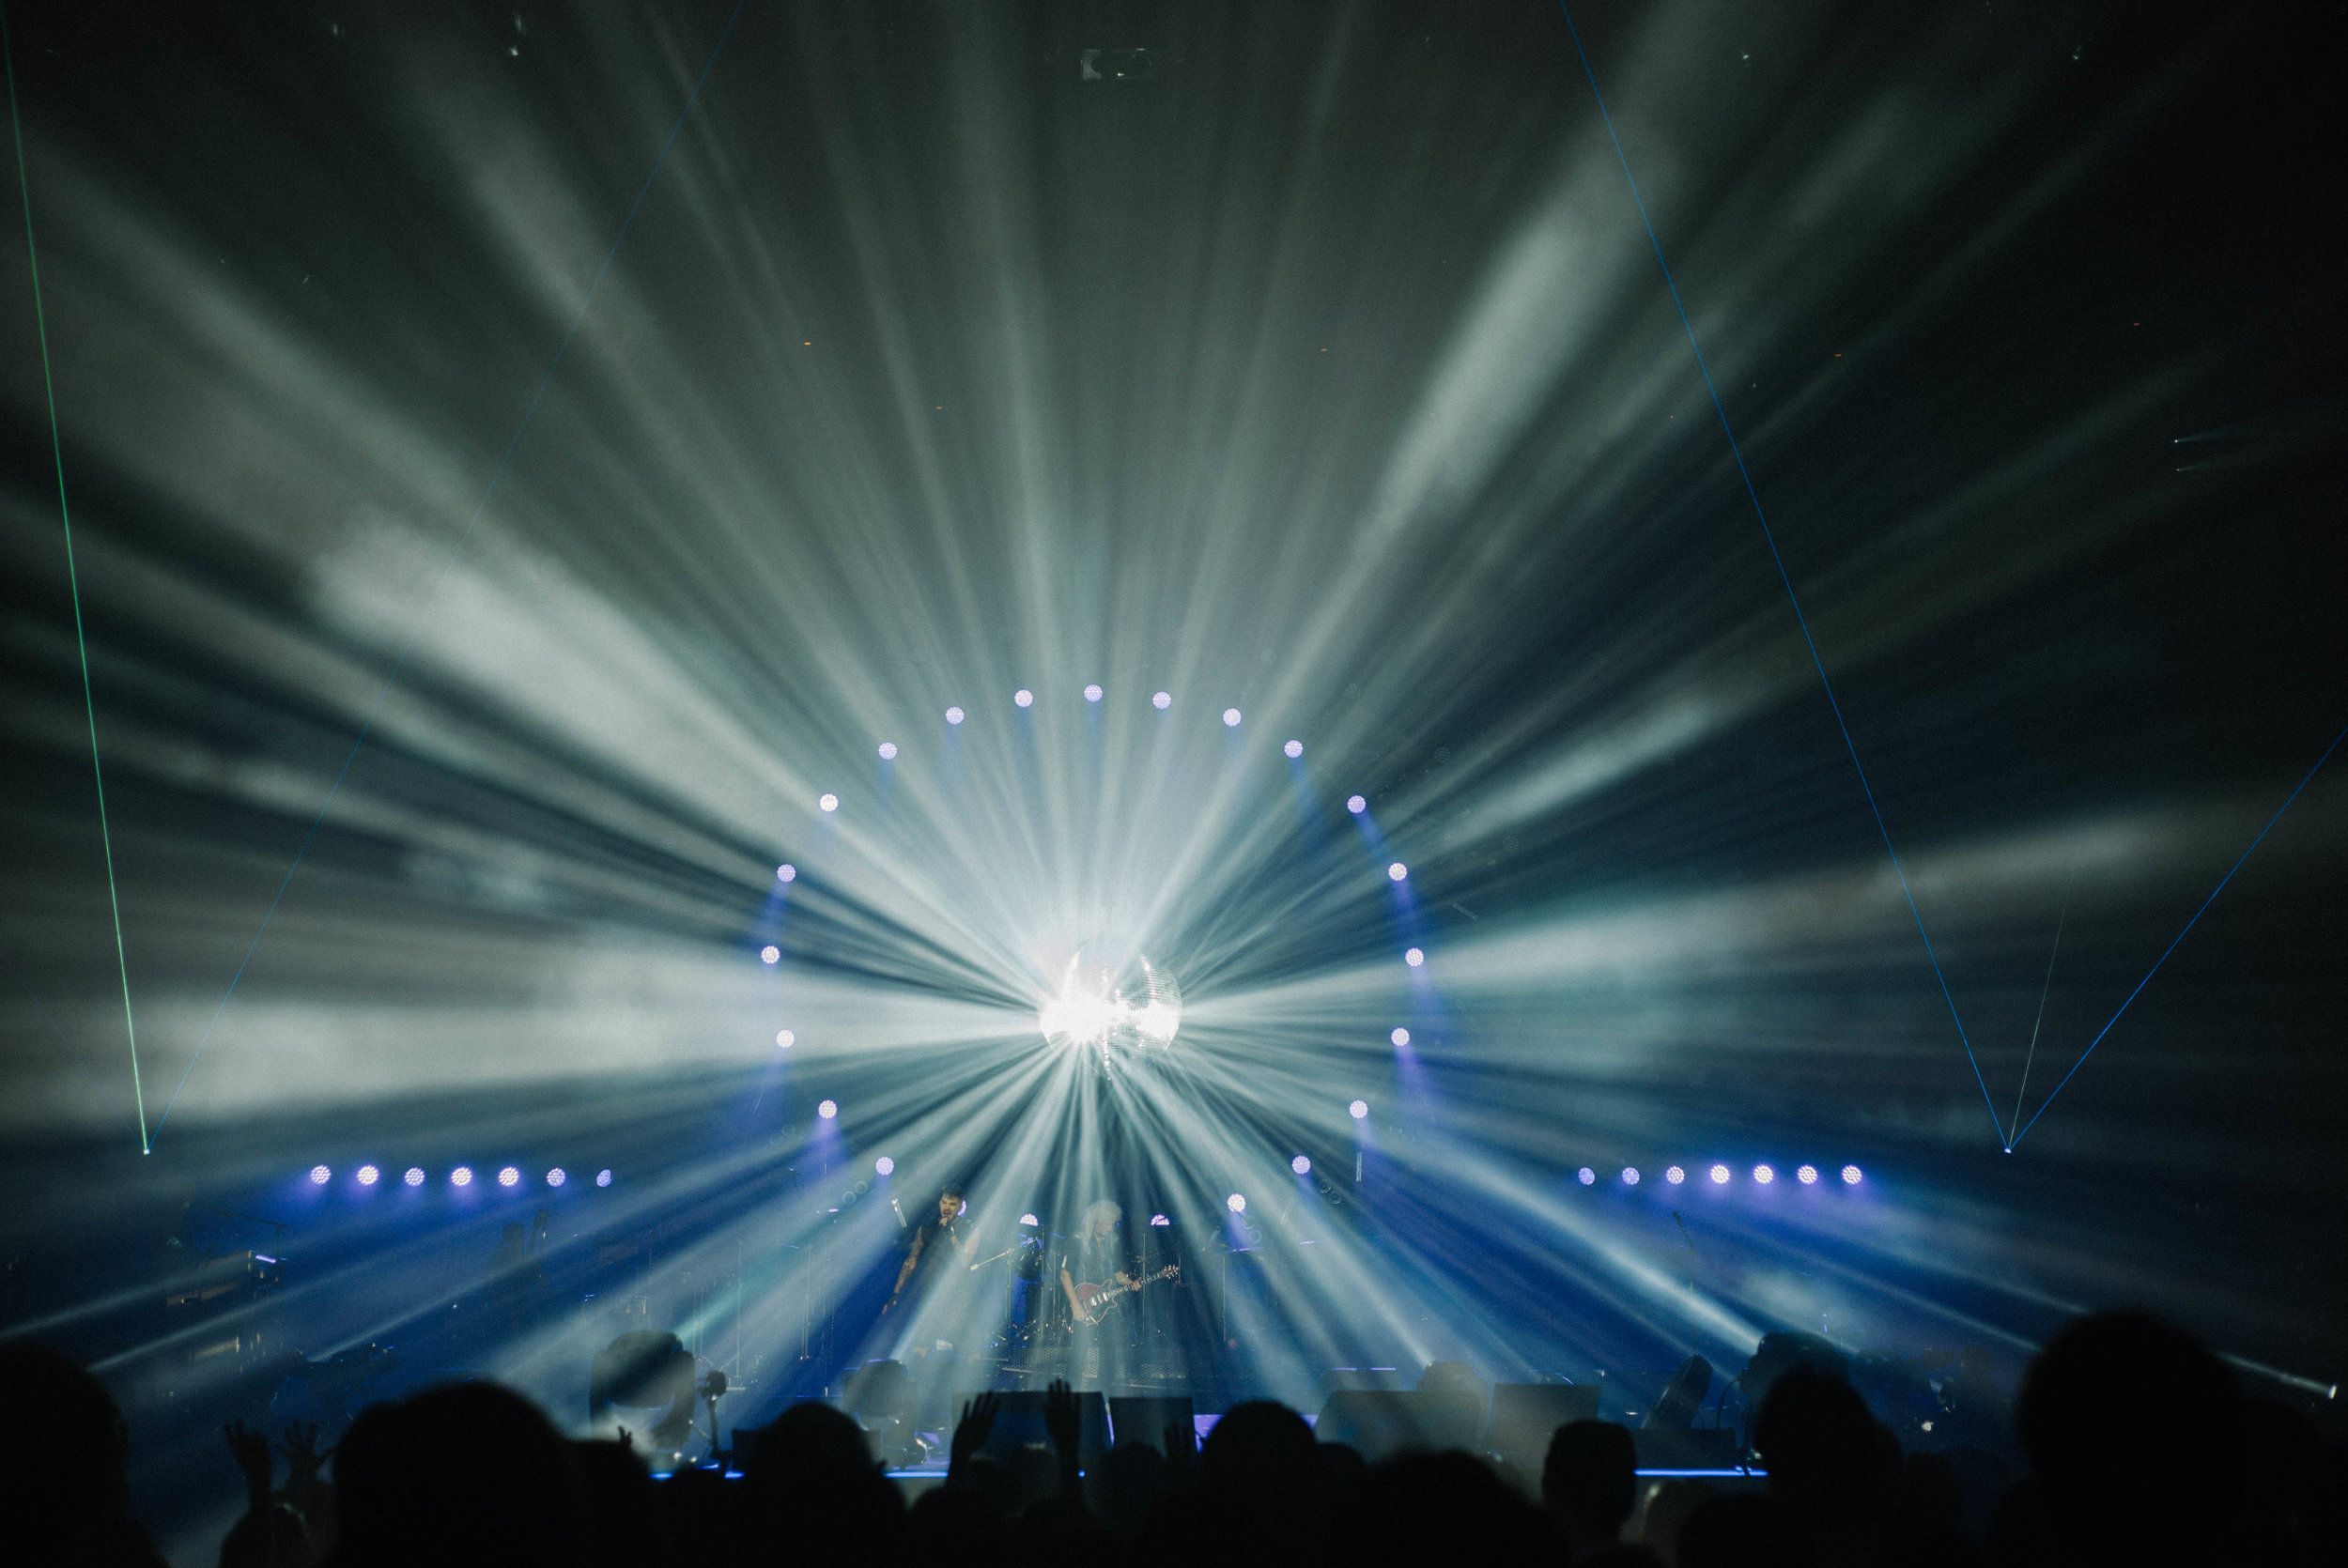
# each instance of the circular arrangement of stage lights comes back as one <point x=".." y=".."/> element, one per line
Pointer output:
<point x="1025" y="698"/>
<point x="888" y="751"/>
<point x="1413" y="956"/>
<point x="1301" y="1166"/>
<point x="783" y="1038"/>
<point x="786" y="873"/>
<point x="1850" y="1174"/>
<point x="1675" y="1176"/>
<point x="953" y="715"/>
<point x="320" y="1174"/>
<point x="1397" y="872"/>
<point x="1587" y="1176"/>
<point x="510" y="1176"/>
<point x="1630" y="1175"/>
<point x="1094" y="1008"/>
<point x="828" y="802"/>
<point x="1230" y="718"/>
<point x="1163" y="701"/>
<point x="415" y="1176"/>
<point x="1294" y="749"/>
<point x="1359" y="1110"/>
<point x="369" y="1175"/>
<point x="1401" y="1037"/>
<point x="1092" y="693"/>
<point x="461" y="1177"/>
<point x="1236" y="1203"/>
<point x="1807" y="1175"/>
<point x="828" y="1109"/>
<point x="1720" y="1174"/>
<point x="884" y="1165"/>
<point x="557" y="1177"/>
<point x="602" y="1178"/>
<point x="1356" y="805"/>
<point x="770" y="954"/>
<point x="1763" y="1174"/>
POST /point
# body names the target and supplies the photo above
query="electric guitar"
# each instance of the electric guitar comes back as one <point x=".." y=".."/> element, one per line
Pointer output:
<point x="1095" y="1302"/>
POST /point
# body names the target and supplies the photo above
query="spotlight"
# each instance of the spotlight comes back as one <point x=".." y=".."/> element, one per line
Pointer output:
<point x="1092" y="693"/>
<point x="369" y="1175"/>
<point x="1401" y="1037"/>
<point x="1359" y="1110"/>
<point x="1230" y="718"/>
<point x="953" y="715"/>
<point x="828" y="1109"/>
<point x="557" y="1177"/>
<point x="1850" y="1174"/>
<point x="1236" y="1203"/>
<point x="783" y="1038"/>
<point x="415" y="1176"/>
<point x="1807" y="1175"/>
<point x="1763" y="1174"/>
<point x="602" y="1178"/>
<point x="1162" y="701"/>
<point x="1397" y="872"/>
<point x="1587" y="1176"/>
<point x="786" y="873"/>
<point x="461" y="1177"/>
<point x="1301" y="1166"/>
<point x="1630" y="1175"/>
<point x="1675" y="1176"/>
<point x="1294" y="748"/>
<point x="1031" y="1220"/>
<point x="888" y="751"/>
<point x="1413" y="956"/>
<point x="1154" y="1218"/>
<point x="828" y="802"/>
<point x="510" y="1176"/>
<point x="884" y="1165"/>
<point x="1720" y="1176"/>
<point x="770" y="954"/>
<point x="320" y="1174"/>
<point x="1025" y="698"/>
<point x="1356" y="805"/>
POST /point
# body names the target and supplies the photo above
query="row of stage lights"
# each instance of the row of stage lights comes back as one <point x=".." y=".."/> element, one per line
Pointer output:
<point x="1763" y="1176"/>
<point x="461" y="1176"/>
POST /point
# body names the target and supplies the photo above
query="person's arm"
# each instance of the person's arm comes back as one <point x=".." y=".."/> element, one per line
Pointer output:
<point x="250" y="1450"/>
<point x="913" y="1256"/>
<point x="970" y="1434"/>
<point x="1069" y="1286"/>
<point x="1063" y="1426"/>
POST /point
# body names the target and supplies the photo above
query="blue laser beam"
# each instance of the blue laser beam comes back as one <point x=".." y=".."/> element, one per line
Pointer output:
<point x="1795" y="599"/>
<point x="480" y="510"/>
<point x="2180" y="936"/>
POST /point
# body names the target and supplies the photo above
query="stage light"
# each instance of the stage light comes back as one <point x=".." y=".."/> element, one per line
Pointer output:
<point x="770" y="954"/>
<point x="1031" y="1220"/>
<point x="783" y="1038"/>
<point x="1092" y="693"/>
<point x="1230" y="718"/>
<point x="1630" y="1175"/>
<point x="1163" y="701"/>
<point x="1401" y="1037"/>
<point x="1587" y="1176"/>
<point x="1850" y="1174"/>
<point x="786" y="873"/>
<point x="1236" y="1203"/>
<point x="884" y="1165"/>
<point x="602" y="1178"/>
<point x="1356" y="805"/>
<point x="828" y="802"/>
<point x="1807" y="1175"/>
<point x="509" y="1176"/>
<point x="1413" y="956"/>
<point x="557" y="1177"/>
<point x="1675" y="1176"/>
<point x="1397" y="872"/>
<point x="1763" y="1174"/>
<point x="1301" y="1166"/>
<point x="320" y="1174"/>
<point x="1025" y="698"/>
<point x="1720" y="1176"/>
<point x="1154" y="1218"/>
<point x="461" y="1177"/>
<point x="1294" y="748"/>
<point x="1359" y="1110"/>
<point x="953" y="715"/>
<point x="369" y="1175"/>
<point x="828" y="1109"/>
<point x="415" y="1176"/>
<point x="888" y="751"/>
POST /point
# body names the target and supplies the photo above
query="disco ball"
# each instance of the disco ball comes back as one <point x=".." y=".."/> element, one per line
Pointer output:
<point x="1094" y="1007"/>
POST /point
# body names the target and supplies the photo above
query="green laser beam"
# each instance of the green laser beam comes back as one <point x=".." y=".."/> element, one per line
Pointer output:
<point x="72" y="578"/>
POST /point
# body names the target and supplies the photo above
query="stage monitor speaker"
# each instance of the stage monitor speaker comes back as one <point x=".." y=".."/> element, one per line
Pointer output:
<point x="1700" y="1447"/>
<point x="1379" y="1424"/>
<point x="1144" y="1418"/>
<point x="1525" y="1415"/>
<point x="1338" y="1377"/>
<point x="1019" y="1424"/>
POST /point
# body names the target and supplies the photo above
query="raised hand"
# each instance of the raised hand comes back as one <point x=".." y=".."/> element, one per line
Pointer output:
<point x="300" y="1449"/>
<point x="1062" y="1425"/>
<point x="250" y="1450"/>
<point x="971" y="1432"/>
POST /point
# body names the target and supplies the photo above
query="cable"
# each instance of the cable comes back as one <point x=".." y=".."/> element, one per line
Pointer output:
<point x="2044" y="991"/>
<point x="2180" y="936"/>
<point x="479" y="509"/>
<point x="1795" y="599"/>
<point x="73" y="583"/>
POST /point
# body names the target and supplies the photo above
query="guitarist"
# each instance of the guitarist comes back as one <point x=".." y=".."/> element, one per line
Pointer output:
<point x="1096" y="1257"/>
